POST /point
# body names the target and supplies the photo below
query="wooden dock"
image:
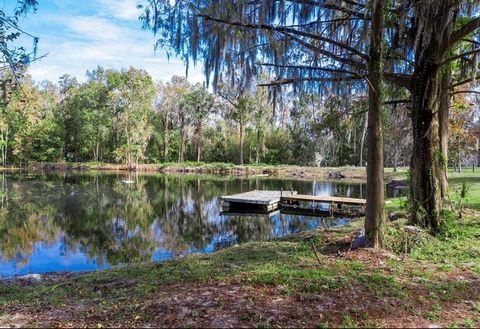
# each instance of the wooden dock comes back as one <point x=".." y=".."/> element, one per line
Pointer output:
<point x="266" y="200"/>
<point x="239" y="212"/>
<point x="323" y="199"/>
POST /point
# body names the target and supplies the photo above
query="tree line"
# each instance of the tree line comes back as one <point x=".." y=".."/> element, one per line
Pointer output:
<point x="123" y="116"/>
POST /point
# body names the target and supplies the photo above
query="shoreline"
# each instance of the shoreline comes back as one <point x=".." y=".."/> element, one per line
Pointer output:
<point x="290" y="171"/>
<point x="53" y="276"/>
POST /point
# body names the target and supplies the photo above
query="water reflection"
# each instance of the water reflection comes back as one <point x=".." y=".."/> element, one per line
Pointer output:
<point x="86" y="221"/>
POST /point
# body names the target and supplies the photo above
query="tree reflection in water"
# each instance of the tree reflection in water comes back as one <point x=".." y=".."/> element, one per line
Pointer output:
<point x="85" y="221"/>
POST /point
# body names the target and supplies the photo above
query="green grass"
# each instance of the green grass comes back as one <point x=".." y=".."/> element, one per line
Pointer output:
<point x="472" y="180"/>
<point x="459" y="244"/>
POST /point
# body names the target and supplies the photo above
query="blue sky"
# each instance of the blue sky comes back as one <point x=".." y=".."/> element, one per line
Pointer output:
<point x="79" y="35"/>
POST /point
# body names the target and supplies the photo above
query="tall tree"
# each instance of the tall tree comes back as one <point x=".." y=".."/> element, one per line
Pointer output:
<point x="98" y="109"/>
<point x="201" y="104"/>
<point x="170" y="98"/>
<point x="375" y="180"/>
<point x="261" y="114"/>
<point x="239" y="109"/>
<point x="328" y="39"/>
<point x="13" y="58"/>
<point x="132" y="91"/>
<point x="437" y="28"/>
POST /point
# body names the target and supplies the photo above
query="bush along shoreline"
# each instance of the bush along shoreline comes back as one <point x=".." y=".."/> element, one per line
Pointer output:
<point x="213" y="168"/>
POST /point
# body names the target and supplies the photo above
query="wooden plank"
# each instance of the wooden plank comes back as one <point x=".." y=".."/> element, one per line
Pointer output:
<point x="314" y="212"/>
<point x="324" y="199"/>
<point x="250" y="213"/>
<point x="258" y="197"/>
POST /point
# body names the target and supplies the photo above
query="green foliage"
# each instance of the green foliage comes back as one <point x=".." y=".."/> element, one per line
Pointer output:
<point x="460" y="197"/>
<point x="401" y="240"/>
<point x="121" y="116"/>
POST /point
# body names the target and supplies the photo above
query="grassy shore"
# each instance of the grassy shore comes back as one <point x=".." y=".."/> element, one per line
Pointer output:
<point x="222" y="168"/>
<point x="307" y="280"/>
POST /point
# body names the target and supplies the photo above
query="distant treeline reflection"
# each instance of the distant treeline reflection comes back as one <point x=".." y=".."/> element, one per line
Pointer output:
<point x="157" y="217"/>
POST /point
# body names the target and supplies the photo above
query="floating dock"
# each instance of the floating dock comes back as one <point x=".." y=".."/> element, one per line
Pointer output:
<point x="338" y="206"/>
<point x="268" y="201"/>
<point x="265" y="200"/>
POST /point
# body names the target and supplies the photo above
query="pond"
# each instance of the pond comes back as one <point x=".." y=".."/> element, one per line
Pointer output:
<point x="51" y="222"/>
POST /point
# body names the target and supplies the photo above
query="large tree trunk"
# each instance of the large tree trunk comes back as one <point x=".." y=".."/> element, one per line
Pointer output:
<point x="434" y="29"/>
<point x="443" y="111"/>
<point x="425" y="193"/>
<point x="375" y="185"/>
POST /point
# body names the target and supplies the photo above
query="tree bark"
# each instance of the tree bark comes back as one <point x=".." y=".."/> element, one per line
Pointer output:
<point x="362" y="141"/>
<point x="97" y="146"/>
<point x="443" y="114"/>
<point x="459" y="160"/>
<point x="425" y="194"/>
<point x="432" y="35"/>
<point x="374" y="218"/>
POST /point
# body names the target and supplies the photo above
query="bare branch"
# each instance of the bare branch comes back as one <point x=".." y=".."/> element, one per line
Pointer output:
<point x="286" y="81"/>
<point x="402" y="80"/>
<point x="471" y="41"/>
<point x="462" y="32"/>
<point x="310" y="68"/>
<point x="398" y="101"/>
<point x="289" y="31"/>
<point x="468" y="53"/>
<point x="463" y="82"/>
<point x="465" y="92"/>
<point x="329" y="54"/>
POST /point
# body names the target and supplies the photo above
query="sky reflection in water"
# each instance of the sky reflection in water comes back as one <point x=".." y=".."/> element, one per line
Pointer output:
<point x="89" y="221"/>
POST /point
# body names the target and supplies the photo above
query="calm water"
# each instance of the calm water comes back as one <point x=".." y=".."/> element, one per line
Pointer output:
<point x="88" y="221"/>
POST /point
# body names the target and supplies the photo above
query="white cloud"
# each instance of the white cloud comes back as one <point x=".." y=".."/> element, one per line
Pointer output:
<point x="107" y="35"/>
<point x="94" y="28"/>
<point x="76" y="57"/>
<point x="123" y="9"/>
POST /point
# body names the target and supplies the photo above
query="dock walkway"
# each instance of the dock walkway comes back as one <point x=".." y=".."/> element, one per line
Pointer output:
<point x="267" y="200"/>
<point x="323" y="199"/>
